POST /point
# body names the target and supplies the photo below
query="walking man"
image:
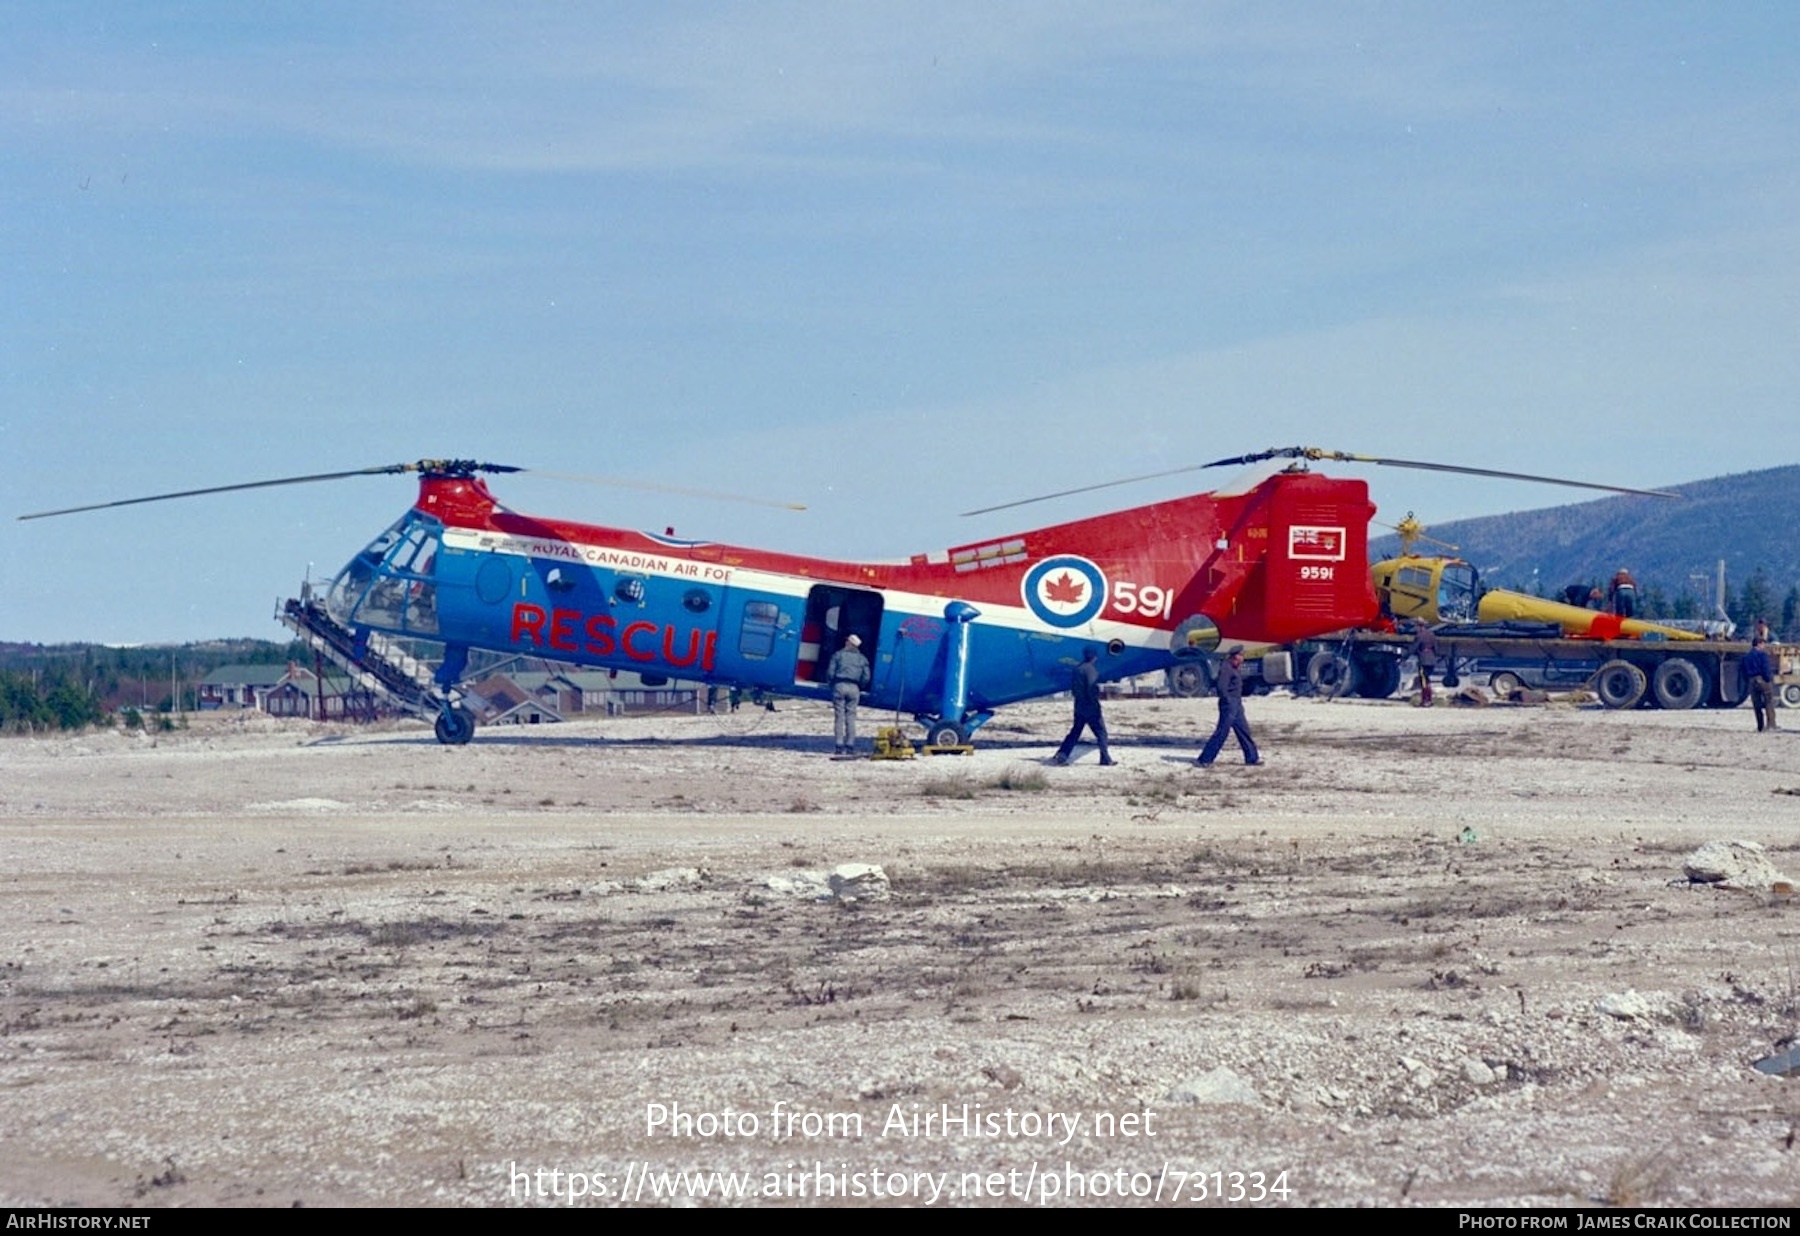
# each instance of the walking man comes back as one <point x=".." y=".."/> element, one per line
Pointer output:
<point x="848" y="674"/>
<point x="1230" y="689"/>
<point x="1758" y="669"/>
<point x="1084" y="685"/>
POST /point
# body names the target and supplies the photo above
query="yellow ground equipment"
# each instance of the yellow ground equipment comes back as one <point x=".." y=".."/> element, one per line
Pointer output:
<point x="948" y="748"/>
<point x="891" y="743"/>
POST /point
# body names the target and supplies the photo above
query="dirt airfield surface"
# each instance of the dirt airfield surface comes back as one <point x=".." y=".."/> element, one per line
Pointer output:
<point x="1420" y="957"/>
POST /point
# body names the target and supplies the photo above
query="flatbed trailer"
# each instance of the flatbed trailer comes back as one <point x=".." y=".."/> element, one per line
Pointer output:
<point x="1622" y="673"/>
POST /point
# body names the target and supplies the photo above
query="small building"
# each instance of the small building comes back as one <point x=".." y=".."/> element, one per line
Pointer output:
<point x="539" y="697"/>
<point x="284" y="691"/>
<point x="240" y="686"/>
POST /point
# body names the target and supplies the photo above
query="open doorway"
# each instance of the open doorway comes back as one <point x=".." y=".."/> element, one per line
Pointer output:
<point x="833" y="614"/>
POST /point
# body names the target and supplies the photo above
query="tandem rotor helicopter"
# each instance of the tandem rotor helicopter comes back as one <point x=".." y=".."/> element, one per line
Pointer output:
<point x="1278" y="555"/>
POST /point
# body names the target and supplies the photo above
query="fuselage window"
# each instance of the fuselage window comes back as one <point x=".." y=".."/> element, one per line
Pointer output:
<point x="756" y="640"/>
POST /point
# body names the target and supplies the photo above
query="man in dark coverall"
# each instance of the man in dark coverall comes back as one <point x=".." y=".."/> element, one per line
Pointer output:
<point x="1084" y="685"/>
<point x="1758" y="669"/>
<point x="1230" y="690"/>
<point x="848" y="674"/>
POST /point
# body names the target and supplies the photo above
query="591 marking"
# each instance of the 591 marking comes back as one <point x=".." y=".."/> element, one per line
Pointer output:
<point x="1148" y="600"/>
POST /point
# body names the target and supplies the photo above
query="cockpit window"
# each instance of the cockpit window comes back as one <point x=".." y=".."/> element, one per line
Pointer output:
<point x="390" y="585"/>
<point x="1456" y="593"/>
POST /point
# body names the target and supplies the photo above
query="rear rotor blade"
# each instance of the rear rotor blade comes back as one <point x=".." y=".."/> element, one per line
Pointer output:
<point x="1505" y="476"/>
<point x="1087" y="489"/>
<point x="1316" y="454"/>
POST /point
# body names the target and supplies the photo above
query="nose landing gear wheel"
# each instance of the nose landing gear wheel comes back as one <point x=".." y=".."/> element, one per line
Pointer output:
<point x="455" y="726"/>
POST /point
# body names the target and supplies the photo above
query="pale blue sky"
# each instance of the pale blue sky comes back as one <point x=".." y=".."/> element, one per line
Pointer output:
<point x="893" y="261"/>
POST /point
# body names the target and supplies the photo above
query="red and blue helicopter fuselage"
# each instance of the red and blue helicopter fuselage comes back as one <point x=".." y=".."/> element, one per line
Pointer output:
<point x="950" y="636"/>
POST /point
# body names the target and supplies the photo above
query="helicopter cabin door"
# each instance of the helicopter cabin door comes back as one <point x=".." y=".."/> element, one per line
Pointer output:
<point x="833" y="614"/>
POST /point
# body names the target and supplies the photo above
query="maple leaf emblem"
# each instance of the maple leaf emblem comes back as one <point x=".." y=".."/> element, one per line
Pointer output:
<point x="1063" y="590"/>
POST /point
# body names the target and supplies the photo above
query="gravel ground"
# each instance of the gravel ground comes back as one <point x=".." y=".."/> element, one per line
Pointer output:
<point x="1420" y="957"/>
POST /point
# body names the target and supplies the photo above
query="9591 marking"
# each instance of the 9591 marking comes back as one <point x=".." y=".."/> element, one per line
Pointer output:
<point x="1316" y="572"/>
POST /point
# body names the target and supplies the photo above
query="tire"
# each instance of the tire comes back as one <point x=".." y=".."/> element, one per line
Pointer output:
<point x="1377" y="677"/>
<point x="1331" y="674"/>
<point x="455" y="727"/>
<point x="1678" y="683"/>
<point x="1788" y="694"/>
<point x="1190" y="680"/>
<point x="1619" y="684"/>
<point x="1505" y="685"/>
<point x="945" y="734"/>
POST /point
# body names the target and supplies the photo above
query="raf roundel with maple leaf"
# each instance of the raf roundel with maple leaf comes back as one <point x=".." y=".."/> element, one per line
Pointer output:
<point x="1064" y="591"/>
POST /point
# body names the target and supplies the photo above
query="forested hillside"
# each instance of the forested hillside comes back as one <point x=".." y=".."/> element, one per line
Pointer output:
<point x="1751" y="521"/>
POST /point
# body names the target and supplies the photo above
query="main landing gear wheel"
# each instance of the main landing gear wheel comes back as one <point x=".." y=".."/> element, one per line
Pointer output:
<point x="945" y="734"/>
<point x="455" y="726"/>
<point x="1188" y="680"/>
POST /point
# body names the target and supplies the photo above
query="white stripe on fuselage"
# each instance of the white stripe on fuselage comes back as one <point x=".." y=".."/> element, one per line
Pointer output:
<point x="722" y="575"/>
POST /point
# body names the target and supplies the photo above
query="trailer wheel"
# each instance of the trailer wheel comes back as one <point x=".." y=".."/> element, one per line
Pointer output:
<point x="1679" y="683"/>
<point x="1619" y="684"/>
<point x="1377" y="677"/>
<point x="1331" y="674"/>
<point x="1189" y="680"/>
<point x="1505" y="685"/>
<point x="1789" y="695"/>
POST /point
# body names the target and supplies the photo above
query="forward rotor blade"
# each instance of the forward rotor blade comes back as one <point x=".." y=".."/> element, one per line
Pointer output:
<point x="225" y="489"/>
<point x="657" y="487"/>
<point x="445" y="467"/>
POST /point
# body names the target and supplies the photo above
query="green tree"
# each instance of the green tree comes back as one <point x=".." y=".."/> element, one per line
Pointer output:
<point x="1755" y="600"/>
<point x="63" y="703"/>
<point x="73" y="706"/>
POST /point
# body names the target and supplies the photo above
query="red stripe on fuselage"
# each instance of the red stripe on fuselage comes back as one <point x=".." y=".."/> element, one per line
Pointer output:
<point x="1200" y="549"/>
